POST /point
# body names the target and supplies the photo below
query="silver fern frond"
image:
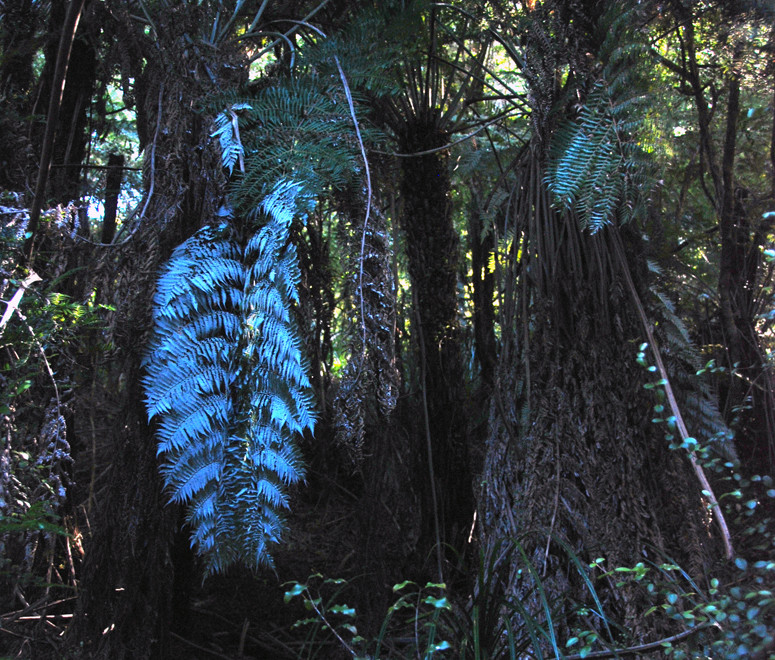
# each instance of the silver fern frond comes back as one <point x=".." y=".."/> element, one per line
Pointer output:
<point x="226" y="381"/>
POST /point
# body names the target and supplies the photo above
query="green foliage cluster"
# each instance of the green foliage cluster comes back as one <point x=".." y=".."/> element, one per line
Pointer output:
<point x="429" y="621"/>
<point x="41" y="331"/>
<point x="715" y="621"/>
<point x="293" y="129"/>
<point x="731" y="618"/>
<point x="598" y="166"/>
<point x="415" y="635"/>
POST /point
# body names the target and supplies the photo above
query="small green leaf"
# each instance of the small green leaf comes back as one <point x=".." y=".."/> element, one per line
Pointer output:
<point x="761" y="630"/>
<point x="438" y="603"/>
<point x="441" y="646"/>
<point x="296" y="590"/>
<point x="343" y="609"/>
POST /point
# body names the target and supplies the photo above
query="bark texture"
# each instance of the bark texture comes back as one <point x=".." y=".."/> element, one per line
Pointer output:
<point x="432" y="247"/>
<point x="573" y="456"/>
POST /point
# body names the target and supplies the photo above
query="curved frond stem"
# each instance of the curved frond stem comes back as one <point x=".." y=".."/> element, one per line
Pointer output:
<point x="286" y="35"/>
<point x="367" y="171"/>
<point x="258" y="16"/>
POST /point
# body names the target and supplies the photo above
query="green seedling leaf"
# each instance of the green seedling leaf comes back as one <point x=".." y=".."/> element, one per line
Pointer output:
<point x="296" y="590"/>
<point x="343" y="609"/>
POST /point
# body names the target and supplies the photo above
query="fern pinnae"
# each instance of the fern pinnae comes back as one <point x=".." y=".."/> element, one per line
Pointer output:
<point x="193" y="421"/>
<point x="183" y="380"/>
<point x="226" y="375"/>
<point x="189" y="481"/>
<point x="596" y="166"/>
<point x="281" y="461"/>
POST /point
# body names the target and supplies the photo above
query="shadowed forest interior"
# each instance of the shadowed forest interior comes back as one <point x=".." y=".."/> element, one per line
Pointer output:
<point x="387" y="329"/>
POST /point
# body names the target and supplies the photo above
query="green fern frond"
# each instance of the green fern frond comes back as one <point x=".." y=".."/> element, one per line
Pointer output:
<point x="298" y="128"/>
<point x="226" y="379"/>
<point x="596" y="165"/>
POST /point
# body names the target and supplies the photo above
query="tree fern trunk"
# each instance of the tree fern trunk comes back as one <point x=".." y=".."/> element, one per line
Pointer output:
<point x="125" y="601"/>
<point x="563" y="459"/>
<point x="482" y="242"/>
<point x="432" y="248"/>
<point x="72" y="136"/>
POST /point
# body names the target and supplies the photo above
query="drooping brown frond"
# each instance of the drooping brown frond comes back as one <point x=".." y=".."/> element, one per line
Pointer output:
<point x="368" y="388"/>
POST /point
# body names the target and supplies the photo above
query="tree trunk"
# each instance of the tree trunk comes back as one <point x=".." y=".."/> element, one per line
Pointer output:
<point x="17" y="46"/>
<point x="433" y="252"/>
<point x="750" y="398"/>
<point x="572" y="456"/>
<point x="19" y="23"/>
<point x="112" y="192"/>
<point x="72" y="134"/>
<point x="575" y="469"/>
<point x="126" y="597"/>
<point x="482" y="242"/>
<point x="752" y="387"/>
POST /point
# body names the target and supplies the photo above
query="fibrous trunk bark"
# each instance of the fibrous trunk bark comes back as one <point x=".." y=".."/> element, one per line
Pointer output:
<point x="574" y="463"/>
<point x="433" y="252"/>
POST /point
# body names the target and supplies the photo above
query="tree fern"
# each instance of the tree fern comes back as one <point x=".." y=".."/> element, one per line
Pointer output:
<point x="226" y="377"/>
<point x="227" y="384"/>
<point x="597" y="166"/>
